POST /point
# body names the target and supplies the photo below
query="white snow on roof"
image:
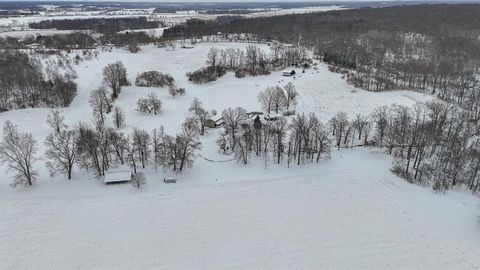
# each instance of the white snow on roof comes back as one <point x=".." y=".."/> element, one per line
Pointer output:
<point x="117" y="177"/>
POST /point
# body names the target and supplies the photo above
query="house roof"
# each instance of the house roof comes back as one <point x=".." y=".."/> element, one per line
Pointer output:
<point x="117" y="177"/>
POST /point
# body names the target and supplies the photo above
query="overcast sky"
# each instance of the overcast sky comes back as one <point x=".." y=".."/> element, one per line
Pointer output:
<point x="170" y="1"/>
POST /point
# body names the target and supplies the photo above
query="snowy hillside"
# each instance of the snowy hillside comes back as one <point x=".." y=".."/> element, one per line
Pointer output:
<point x="349" y="212"/>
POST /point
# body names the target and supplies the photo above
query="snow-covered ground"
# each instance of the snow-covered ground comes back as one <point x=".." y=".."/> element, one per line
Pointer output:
<point x="168" y="18"/>
<point x="349" y="212"/>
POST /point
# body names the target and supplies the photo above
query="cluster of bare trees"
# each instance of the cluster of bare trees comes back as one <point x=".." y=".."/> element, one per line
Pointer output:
<point x="434" y="143"/>
<point x="150" y="104"/>
<point x="102" y="99"/>
<point x="278" y="99"/>
<point x="252" y="61"/>
<point x="416" y="62"/>
<point x="114" y="77"/>
<point x="23" y="84"/>
<point x="304" y="139"/>
<point x="98" y="147"/>
<point x="154" y="79"/>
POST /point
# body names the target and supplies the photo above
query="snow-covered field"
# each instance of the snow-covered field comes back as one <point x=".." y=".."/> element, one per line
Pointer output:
<point x="168" y="18"/>
<point x="349" y="212"/>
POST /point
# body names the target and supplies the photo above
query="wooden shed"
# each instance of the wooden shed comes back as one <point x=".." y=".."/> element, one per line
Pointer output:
<point x="117" y="177"/>
<point x="289" y="72"/>
<point x="214" y="122"/>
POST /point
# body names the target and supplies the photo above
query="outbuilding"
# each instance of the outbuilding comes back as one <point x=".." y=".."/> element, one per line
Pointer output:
<point x="289" y="72"/>
<point x="214" y="122"/>
<point x="117" y="177"/>
<point x="169" y="180"/>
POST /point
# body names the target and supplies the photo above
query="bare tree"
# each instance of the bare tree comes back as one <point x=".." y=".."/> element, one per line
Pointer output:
<point x="265" y="98"/>
<point x="56" y="120"/>
<point x="233" y="119"/>
<point x="201" y="114"/>
<point x="359" y="123"/>
<point x="118" y="142"/>
<point x="244" y="144"/>
<point x="115" y="76"/>
<point x="118" y="117"/>
<point x="252" y="57"/>
<point x="339" y="124"/>
<point x="141" y="144"/>
<point x="290" y="96"/>
<point x="158" y="145"/>
<point x="188" y="143"/>
<point x="213" y="56"/>
<point x="151" y="104"/>
<point x="279" y="99"/>
<point x="18" y="151"/>
<point x="279" y="133"/>
<point x="155" y="103"/>
<point x="101" y="104"/>
<point x="174" y="91"/>
<point x="61" y="152"/>
<point x="139" y="180"/>
<point x="380" y="117"/>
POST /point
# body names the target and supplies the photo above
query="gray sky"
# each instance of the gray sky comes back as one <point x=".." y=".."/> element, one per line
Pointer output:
<point x="171" y="1"/>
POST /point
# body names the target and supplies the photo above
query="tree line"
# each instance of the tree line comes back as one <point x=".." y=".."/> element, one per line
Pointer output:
<point x="99" y="25"/>
<point x="252" y="61"/>
<point x="432" y="144"/>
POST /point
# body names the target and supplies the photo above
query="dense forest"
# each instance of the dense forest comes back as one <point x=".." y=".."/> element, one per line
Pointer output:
<point x="100" y="25"/>
<point x="23" y="84"/>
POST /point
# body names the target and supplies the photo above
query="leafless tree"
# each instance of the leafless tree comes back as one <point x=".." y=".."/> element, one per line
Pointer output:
<point x="151" y="104"/>
<point x="118" y="117"/>
<point x="115" y="76"/>
<point x="55" y="119"/>
<point x="279" y="133"/>
<point x="290" y="96"/>
<point x="61" y="152"/>
<point x="380" y="117"/>
<point x="174" y="91"/>
<point x="18" y="151"/>
<point x="339" y="124"/>
<point x="213" y="56"/>
<point x="265" y="98"/>
<point x="101" y="104"/>
<point x="141" y="144"/>
<point x="118" y="142"/>
<point x="201" y="114"/>
<point x="139" y="180"/>
<point x="158" y="145"/>
<point x="233" y="119"/>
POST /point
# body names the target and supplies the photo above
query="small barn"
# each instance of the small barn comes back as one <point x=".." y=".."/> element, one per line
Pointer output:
<point x="170" y="180"/>
<point x="289" y="72"/>
<point x="117" y="177"/>
<point x="214" y="122"/>
<point x="273" y="117"/>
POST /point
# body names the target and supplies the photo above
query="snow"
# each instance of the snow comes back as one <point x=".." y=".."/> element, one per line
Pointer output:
<point x="343" y="213"/>
<point x="348" y="212"/>
<point x="112" y="177"/>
